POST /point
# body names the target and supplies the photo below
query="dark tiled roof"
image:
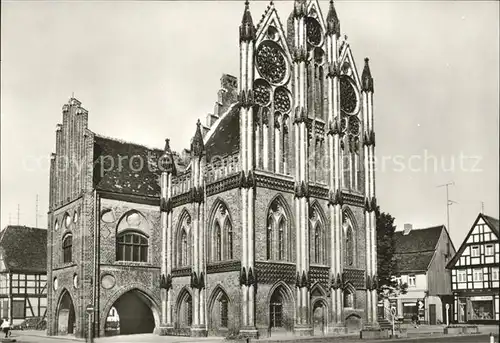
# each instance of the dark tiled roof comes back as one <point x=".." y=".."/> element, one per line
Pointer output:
<point x="134" y="175"/>
<point x="417" y="240"/>
<point x="492" y="222"/>
<point x="414" y="251"/>
<point x="226" y="138"/>
<point x="413" y="262"/>
<point x="24" y="249"/>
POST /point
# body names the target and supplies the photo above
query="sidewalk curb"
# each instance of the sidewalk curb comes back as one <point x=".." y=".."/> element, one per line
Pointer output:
<point x="436" y="336"/>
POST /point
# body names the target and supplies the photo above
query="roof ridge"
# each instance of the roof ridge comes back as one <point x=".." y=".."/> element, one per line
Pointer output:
<point x="122" y="141"/>
<point x="414" y="252"/>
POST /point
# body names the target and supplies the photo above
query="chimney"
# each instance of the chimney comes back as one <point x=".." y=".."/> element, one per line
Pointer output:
<point x="407" y="229"/>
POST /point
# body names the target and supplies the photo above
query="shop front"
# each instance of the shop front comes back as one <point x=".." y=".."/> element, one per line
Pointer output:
<point x="476" y="308"/>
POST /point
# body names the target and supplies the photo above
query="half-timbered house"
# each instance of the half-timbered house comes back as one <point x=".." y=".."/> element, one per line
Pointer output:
<point x="474" y="268"/>
<point x="23" y="273"/>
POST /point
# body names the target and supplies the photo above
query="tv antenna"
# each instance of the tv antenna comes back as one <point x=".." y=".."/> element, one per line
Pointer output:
<point x="448" y="204"/>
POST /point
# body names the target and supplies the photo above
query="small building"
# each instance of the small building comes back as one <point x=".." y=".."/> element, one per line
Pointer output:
<point x="421" y="258"/>
<point x="474" y="268"/>
<point x="23" y="273"/>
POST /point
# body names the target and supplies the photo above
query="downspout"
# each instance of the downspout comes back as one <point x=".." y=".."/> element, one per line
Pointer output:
<point x="205" y="249"/>
<point x="95" y="298"/>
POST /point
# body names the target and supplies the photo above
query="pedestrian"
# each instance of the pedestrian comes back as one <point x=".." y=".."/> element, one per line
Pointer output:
<point x="6" y="327"/>
<point x="414" y="320"/>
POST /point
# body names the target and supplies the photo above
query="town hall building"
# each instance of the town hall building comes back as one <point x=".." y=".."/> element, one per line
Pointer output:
<point x="264" y="224"/>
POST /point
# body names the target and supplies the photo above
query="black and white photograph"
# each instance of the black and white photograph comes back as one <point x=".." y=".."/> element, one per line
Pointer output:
<point x="188" y="171"/>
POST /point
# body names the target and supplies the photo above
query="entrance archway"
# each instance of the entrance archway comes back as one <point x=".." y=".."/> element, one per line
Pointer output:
<point x="65" y="315"/>
<point x="184" y="310"/>
<point x="319" y="318"/>
<point x="281" y="309"/>
<point x="134" y="313"/>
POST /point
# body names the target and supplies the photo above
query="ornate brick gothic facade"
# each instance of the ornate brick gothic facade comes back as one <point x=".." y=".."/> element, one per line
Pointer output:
<point x="265" y="224"/>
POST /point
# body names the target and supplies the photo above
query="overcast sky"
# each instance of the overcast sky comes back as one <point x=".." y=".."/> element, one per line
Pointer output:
<point x="149" y="70"/>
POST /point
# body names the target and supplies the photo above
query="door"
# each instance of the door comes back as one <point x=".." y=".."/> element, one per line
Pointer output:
<point x="432" y="314"/>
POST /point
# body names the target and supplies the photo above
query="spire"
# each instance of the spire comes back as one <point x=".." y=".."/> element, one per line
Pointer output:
<point x="300" y="8"/>
<point x="332" y="21"/>
<point x="197" y="147"/>
<point x="366" y="78"/>
<point x="167" y="146"/>
<point x="167" y="160"/>
<point x="247" y="29"/>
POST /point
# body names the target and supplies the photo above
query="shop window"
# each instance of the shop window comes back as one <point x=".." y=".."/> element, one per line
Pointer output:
<point x="482" y="308"/>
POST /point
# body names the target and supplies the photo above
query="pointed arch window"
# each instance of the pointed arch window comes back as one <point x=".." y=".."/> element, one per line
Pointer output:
<point x="276" y="310"/>
<point x="348" y="298"/>
<point x="229" y="232"/>
<point x="67" y="246"/>
<point x="349" y="240"/>
<point x="221" y="246"/>
<point x="224" y="312"/>
<point x="189" y="311"/>
<point x="132" y="246"/>
<point x="349" y="247"/>
<point x="281" y="240"/>
<point x="218" y="242"/>
<point x="317" y="244"/>
<point x="269" y="240"/>
<point x="183" y="255"/>
<point x="317" y="238"/>
<point x="278" y="232"/>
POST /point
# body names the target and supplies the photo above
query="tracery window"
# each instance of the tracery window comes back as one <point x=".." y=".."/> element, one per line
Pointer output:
<point x="218" y="243"/>
<point x="276" y="310"/>
<point x="277" y="242"/>
<point x="348" y="298"/>
<point x="184" y="253"/>
<point x="224" y="312"/>
<point x="67" y="246"/>
<point x="349" y="240"/>
<point x="222" y="235"/>
<point x="349" y="247"/>
<point x="317" y="238"/>
<point x="229" y="231"/>
<point x="132" y="246"/>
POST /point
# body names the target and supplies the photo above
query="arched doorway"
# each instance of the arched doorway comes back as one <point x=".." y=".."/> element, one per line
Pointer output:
<point x="319" y="318"/>
<point x="185" y="310"/>
<point x="219" y="320"/>
<point x="112" y="326"/>
<point x="134" y="311"/>
<point x="66" y="315"/>
<point x="280" y="310"/>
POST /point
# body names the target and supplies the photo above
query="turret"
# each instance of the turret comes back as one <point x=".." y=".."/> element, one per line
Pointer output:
<point x="332" y="21"/>
<point x="197" y="146"/>
<point x="366" y="78"/>
<point x="247" y="29"/>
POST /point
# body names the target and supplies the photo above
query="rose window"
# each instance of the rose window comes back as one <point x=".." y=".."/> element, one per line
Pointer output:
<point x="348" y="96"/>
<point x="282" y="100"/>
<point x="262" y="92"/>
<point x="313" y="32"/>
<point x="354" y="126"/>
<point x="271" y="62"/>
